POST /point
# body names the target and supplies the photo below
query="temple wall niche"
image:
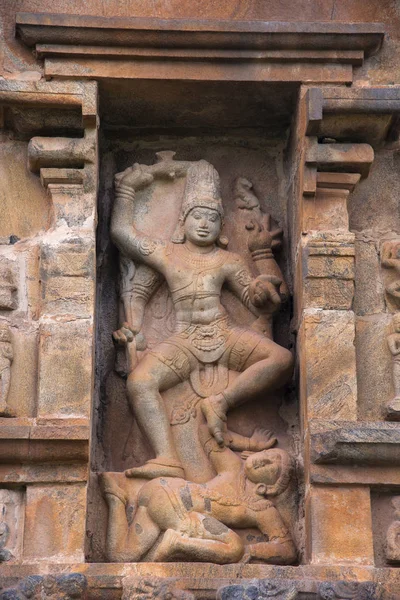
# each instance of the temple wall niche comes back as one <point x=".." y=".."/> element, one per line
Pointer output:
<point x="262" y="161"/>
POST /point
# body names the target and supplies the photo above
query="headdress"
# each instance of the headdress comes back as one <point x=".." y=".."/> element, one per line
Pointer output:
<point x="202" y="190"/>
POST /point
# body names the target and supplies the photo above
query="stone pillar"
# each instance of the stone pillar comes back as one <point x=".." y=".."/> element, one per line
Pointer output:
<point x="325" y="271"/>
<point x="47" y="295"/>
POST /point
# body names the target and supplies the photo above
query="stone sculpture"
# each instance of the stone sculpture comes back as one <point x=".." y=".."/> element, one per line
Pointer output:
<point x="349" y="590"/>
<point x="195" y="268"/>
<point x="197" y="518"/>
<point x="6" y="358"/>
<point x="390" y="260"/>
<point x="143" y="588"/>
<point x="174" y="518"/>
<point x="260" y="589"/>
<point x="8" y="287"/>
<point x="393" y="535"/>
<point x="393" y="408"/>
<point x="48" y="587"/>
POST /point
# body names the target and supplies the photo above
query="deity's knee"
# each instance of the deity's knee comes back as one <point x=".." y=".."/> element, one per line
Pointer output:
<point x="285" y="361"/>
<point x="140" y="384"/>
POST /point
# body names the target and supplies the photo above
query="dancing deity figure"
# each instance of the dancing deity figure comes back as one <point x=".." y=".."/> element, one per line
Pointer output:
<point x="196" y="266"/>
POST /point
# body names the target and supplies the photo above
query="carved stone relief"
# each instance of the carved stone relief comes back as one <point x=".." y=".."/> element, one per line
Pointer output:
<point x="205" y="482"/>
<point x="8" y="285"/>
<point x="264" y="588"/>
<point x="6" y="358"/>
<point x="142" y="588"/>
<point x="393" y="535"/>
<point x="393" y="408"/>
<point x="390" y="261"/>
<point x="48" y="587"/>
<point x="11" y="524"/>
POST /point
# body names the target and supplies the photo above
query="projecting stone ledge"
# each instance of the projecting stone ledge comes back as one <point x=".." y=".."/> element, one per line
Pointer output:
<point x="344" y="442"/>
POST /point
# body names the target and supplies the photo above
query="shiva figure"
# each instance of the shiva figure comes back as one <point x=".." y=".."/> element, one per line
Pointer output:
<point x="196" y="266"/>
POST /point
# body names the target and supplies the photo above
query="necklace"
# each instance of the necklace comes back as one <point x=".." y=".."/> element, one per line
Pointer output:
<point x="211" y="260"/>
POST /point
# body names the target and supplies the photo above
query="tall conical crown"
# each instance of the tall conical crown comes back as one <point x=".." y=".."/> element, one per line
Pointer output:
<point x="202" y="189"/>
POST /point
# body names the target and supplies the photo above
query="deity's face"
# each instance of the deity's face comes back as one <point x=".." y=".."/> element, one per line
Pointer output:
<point x="202" y="226"/>
<point x="264" y="467"/>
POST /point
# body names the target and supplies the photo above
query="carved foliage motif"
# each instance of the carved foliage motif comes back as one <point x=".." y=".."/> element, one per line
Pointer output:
<point x="48" y="587"/>
<point x="263" y="589"/>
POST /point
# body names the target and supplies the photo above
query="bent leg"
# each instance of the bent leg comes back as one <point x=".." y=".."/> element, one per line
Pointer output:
<point x="217" y="544"/>
<point x="145" y="383"/>
<point x="267" y="367"/>
<point x="128" y="543"/>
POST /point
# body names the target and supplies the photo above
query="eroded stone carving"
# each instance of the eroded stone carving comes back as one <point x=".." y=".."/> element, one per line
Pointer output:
<point x="393" y="535"/>
<point x="141" y="588"/>
<point x="390" y="260"/>
<point x="170" y="517"/>
<point x="8" y="286"/>
<point x="196" y="518"/>
<point x="349" y="590"/>
<point x="393" y="408"/>
<point x="261" y="589"/>
<point x="11" y="520"/>
<point x="6" y="358"/>
<point x="38" y="587"/>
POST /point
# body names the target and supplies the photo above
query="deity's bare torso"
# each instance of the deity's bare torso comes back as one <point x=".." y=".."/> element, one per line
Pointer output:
<point x="195" y="281"/>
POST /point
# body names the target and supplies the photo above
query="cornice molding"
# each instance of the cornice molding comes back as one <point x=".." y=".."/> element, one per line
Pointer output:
<point x="111" y="47"/>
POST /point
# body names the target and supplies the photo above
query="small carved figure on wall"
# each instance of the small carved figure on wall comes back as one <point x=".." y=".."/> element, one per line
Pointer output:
<point x="390" y="260"/>
<point x="5" y="554"/>
<point x="179" y="520"/>
<point x="196" y="265"/>
<point x="6" y="358"/>
<point x="393" y="535"/>
<point x="393" y="408"/>
<point x="8" y="287"/>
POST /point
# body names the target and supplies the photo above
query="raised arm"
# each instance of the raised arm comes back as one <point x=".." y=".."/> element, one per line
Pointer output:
<point x="129" y="241"/>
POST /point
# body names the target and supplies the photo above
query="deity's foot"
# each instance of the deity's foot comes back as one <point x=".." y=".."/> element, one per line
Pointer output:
<point x="393" y="409"/>
<point x="6" y="411"/>
<point x="108" y="485"/>
<point x="214" y="410"/>
<point x="157" y="467"/>
<point x="167" y="547"/>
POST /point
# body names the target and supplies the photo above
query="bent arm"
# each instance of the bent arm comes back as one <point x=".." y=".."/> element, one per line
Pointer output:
<point x="238" y="279"/>
<point x="129" y="241"/>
